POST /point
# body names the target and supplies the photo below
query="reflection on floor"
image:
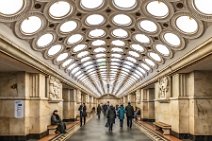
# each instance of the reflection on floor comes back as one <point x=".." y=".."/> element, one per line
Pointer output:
<point x="95" y="130"/>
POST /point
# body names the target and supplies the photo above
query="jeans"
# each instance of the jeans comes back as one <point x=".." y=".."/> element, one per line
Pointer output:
<point x="129" y="122"/>
<point x="82" y="118"/>
<point x="121" y="122"/>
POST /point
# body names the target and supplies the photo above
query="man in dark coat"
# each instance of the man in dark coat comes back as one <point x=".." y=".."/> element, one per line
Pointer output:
<point x="130" y="114"/>
<point x="56" y="120"/>
<point x="111" y="116"/>
<point x="99" y="109"/>
<point x="83" y="113"/>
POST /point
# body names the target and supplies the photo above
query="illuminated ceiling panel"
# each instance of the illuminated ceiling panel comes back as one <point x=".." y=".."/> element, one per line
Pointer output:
<point x="107" y="45"/>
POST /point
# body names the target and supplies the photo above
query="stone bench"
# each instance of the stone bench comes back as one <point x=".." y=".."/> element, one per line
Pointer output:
<point x="165" y="127"/>
<point x="51" y="129"/>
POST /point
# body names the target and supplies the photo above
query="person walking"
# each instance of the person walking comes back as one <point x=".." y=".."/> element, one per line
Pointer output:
<point x="56" y="120"/>
<point x="99" y="109"/>
<point x="121" y="114"/>
<point x="83" y="114"/>
<point x="111" y="116"/>
<point x="130" y="114"/>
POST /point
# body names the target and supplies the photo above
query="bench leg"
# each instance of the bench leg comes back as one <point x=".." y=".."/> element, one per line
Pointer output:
<point x="166" y="131"/>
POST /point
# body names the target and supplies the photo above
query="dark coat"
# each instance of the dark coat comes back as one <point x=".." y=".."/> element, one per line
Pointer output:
<point x="111" y="115"/>
<point x="83" y="111"/>
<point x="129" y="111"/>
<point x="99" y="109"/>
<point x="55" y="119"/>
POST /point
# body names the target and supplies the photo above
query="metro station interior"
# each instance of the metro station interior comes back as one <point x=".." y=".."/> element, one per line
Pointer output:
<point x="58" y="54"/>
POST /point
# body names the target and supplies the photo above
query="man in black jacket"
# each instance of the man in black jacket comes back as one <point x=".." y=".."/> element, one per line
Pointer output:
<point x="56" y="120"/>
<point x="130" y="114"/>
<point x="83" y="113"/>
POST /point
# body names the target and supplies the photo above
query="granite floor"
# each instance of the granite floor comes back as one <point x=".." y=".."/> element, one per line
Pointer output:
<point x="95" y="130"/>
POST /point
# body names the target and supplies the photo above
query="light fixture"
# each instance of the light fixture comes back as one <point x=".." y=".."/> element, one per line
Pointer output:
<point x="11" y="7"/>
<point x="134" y="54"/>
<point x="54" y="49"/>
<point x="67" y="62"/>
<point x="99" y="49"/>
<point x="137" y="47"/>
<point x="155" y="56"/>
<point x="172" y="39"/>
<point x="162" y="49"/>
<point x="98" y="43"/>
<point x="97" y="33"/>
<point x="125" y="5"/>
<point x="62" y="57"/>
<point x="91" y="4"/>
<point x="122" y="20"/>
<point x="60" y="9"/>
<point x="119" y="33"/>
<point x="44" y="40"/>
<point x="148" y="26"/>
<point x="203" y="6"/>
<point x="118" y="43"/>
<point x="95" y="19"/>
<point x="187" y="24"/>
<point x="68" y="26"/>
<point x="82" y="54"/>
<point x="79" y="47"/>
<point x="145" y="66"/>
<point x="31" y="25"/>
<point x="75" y="38"/>
<point x="142" y="38"/>
<point x="158" y="9"/>
<point x="116" y="49"/>
<point x="150" y="62"/>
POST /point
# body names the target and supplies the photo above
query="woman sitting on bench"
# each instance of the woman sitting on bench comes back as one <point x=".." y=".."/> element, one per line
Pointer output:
<point x="56" y="120"/>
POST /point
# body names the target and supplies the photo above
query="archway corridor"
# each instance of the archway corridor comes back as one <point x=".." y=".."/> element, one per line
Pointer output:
<point x="60" y="59"/>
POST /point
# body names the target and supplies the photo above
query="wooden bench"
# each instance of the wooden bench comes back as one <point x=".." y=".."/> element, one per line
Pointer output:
<point x="51" y="129"/>
<point x="165" y="127"/>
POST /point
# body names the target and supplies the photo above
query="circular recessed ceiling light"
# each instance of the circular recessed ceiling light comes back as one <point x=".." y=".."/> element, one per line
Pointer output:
<point x="45" y="40"/>
<point x="158" y="9"/>
<point x="187" y="24"/>
<point x="137" y="47"/>
<point x="54" y="50"/>
<point x="125" y="5"/>
<point x="142" y="38"/>
<point x="82" y="54"/>
<point x="85" y="59"/>
<point x="79" y="47"/>
<point x="162" y="49"/>
<point x="148" y="26"/>
<point x="116" y="49"/>
<point x="155" y="56"/>
<point x="68" y="26"/>
<point x="172" y="39"/>
<point x="145" y="66"/>
<point x="91" y="4"/>
<point x="134" y="54"/>
<point x="116" y="55"/>
<point x="98" y="43"/>
<point x="62" y="57"/>
<point x="31" y="25"/>
<point x="131" y="59"/>
<point x="100" y="55"/>
<point x="150" y="62"/>
<point x="11" y="7"/>
<point x="120" y="33"/>
<point x="73" y="39"/>
<point x="118" y="43"/>
<point x="203" y="6"/>
<point x="95" y="19"/>
<point x="97" y="33"/>
<point x="67" y="62"/>
<point x="60" y="9"/>
<point x="122" y="20"/>
<point x="99" y="49"/>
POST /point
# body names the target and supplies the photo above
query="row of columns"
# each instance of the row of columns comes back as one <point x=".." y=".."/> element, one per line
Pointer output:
<point x="28" y="100"/>
<point x="183" y="101"/>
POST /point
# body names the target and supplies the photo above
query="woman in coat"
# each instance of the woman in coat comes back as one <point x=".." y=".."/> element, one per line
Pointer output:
<point x="121" y="112"/>
<point x="111" y="116"/>
<point x="99" y="109"/>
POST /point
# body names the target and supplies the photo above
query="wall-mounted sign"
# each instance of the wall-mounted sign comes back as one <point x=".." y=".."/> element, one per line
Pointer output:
<point x="19" y="108"/>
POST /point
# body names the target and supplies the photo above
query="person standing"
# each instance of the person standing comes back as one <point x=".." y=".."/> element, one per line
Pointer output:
<point x="130" y="114"/>
<point x="83" y="114"/>
<point x="111" y="116"/>
<point x="121" y="113"/>
<point x="56" y="120"/>
<point x="99" y="109"/>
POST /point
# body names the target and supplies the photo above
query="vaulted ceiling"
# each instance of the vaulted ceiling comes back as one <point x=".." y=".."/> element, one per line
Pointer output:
<point x="107" y="45"/>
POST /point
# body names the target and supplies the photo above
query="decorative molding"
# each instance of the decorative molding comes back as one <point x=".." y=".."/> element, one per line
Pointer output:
<point x="55" y="90"/>
<point x="164" y="89"/>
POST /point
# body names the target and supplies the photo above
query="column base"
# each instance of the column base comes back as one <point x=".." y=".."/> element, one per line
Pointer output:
<point x="23" y="138"/>
<point x="192" y="137"/>
<point x="70" y="120"/>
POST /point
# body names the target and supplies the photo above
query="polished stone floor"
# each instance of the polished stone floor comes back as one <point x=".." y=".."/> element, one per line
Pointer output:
<point x="95" y="130"/>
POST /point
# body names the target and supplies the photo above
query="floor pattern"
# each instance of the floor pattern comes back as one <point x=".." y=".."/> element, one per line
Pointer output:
<point x="95" y="130"/>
